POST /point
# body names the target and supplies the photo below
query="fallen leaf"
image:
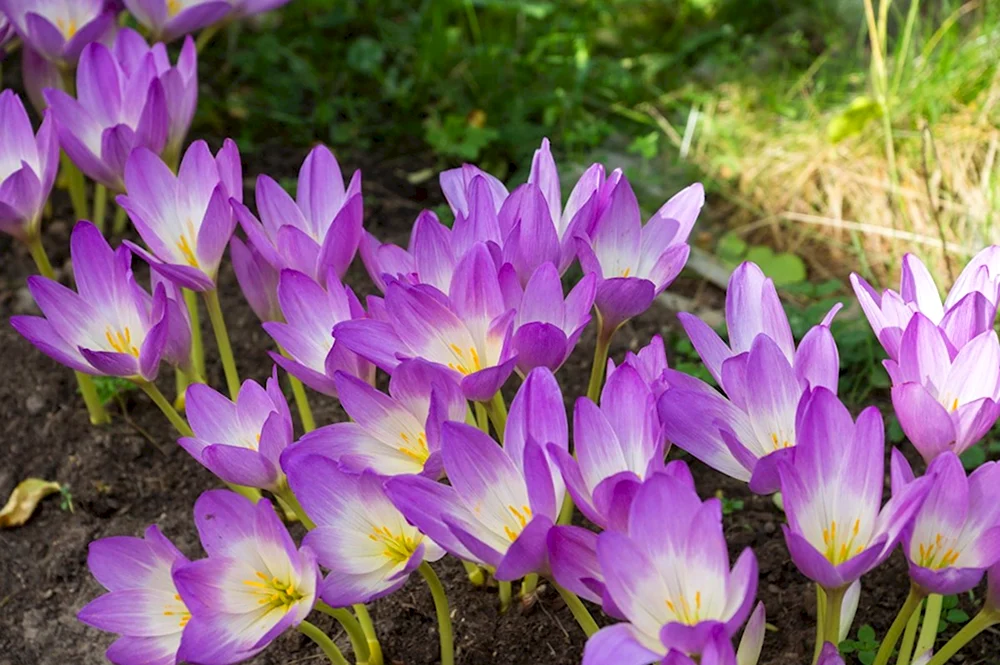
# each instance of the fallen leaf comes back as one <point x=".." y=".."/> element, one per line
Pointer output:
<point x="24" y="499"/>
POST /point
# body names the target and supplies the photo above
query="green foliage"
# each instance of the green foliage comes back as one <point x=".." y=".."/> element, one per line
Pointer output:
<point x="685" y="359"/>
<point x="65" y="499"/>
<point x="110" y="387"/>
<point x="783" y="267"/>
<point x="729" y="504"/>
<point x="951" y="614"/>
<point x="853" y="120"/>
<point x="865" y="647"/>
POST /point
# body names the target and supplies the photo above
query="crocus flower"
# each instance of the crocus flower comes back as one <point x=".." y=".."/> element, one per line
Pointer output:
<point x="58" y="30"/>
<point x="116" y="110"/>
<point x="650" y="362"/>
<point x="186" y="220"/>
<point x="310" y="313"/>
<point x="955" y="536"/>
<point x="257" y="278"/>
<point x="110" y="326"/>
<point x="398" y="433"/>
<point x="670" y="529"/>
<point x="634" y="262"/>
<point x="967" y="311"/>
<point x="28" y="164"/>
<point x="169" y="19"/>
<point x="547" y="326"/>
<point x="832" y="492"/>
<point x="37" y="75"/>
<point x="468" y="331"/>
<point x="616" y="447"/>
<point x="360" y="537"/>
<point x="240" y="442"/>
<point x="944" y="400"/>
<point x="502" y="501"/>
<point x="314" y="233"/>
<point x="456" y="184"/>
<point x="142" y="603"/>
<point x="253" y="586"/>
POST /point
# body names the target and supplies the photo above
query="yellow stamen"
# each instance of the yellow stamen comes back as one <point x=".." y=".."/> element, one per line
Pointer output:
<point x="838" y="552"/>
<point x="398" y="547"/>
<point x="954" y="405"/>
<point x="420" y="452"/>
<point x="173" y="7"/>
<point x="273" y="592"/>
<point x="523" y="516"/>
<point x="687" y="614"/>
<point x="121" y="341"/>
<point x="465" y="365"/>
<point x="68" y="27"/>
<point x="185" y="248"/>
<point x="626" y="272"/>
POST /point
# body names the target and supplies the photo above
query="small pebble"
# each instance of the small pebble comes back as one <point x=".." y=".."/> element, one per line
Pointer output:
<point x="773" y="589"/>
<point x="769" y="527"/>
<point x="34" y="404"/>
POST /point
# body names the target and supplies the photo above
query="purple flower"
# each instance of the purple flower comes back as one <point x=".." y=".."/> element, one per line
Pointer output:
<point x="37" y="75"/>
<point x="616" y="447"/>
<point x="394" y="434"/>
<point x="257" y="278"/>
<point x="955" y="536"/>
<point x="968" y="310"/>
<point x="944" y="399"/>
<point x="28" y="164"/>
<point x="671" y="529"/>
<point x="126" y="98"/>
<point x="837" y="530"/>
<point x="314" y="234"/>
<point x="142" y="605"/>
<point x="253" y="586"/>
<point x="993" y="588"/>
<point x="186" y="220"/>
<point x="59" y="29"/>
<point x="547" y="326"/>
<point x="310" y="313"/>
<point x="360" y="537"/>
<point x="240" y="443"/>
<point x="457" y="186"/>
<point x="111" y="327"/>
<point x="6" y="32"/>
<point x="502" y="501"/>
<point x="169" y="19"/>
<point x="468" y="331"/>
<point x="650" y="362"/>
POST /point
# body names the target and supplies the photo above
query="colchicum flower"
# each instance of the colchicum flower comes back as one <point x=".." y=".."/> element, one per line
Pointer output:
<point x="253" y="586"/>
<point x="634" y="262"/>
<point x="394" y="434"/>
<point x="837" y="528"/>
<point x="316" y="233"/>
<point x="546" y="326"/>
<point x="968" y="310"/>
<point x="944" y="400"/>
<point x="310" y="314"/>
<point x="616" y="447"/>
<point x="257" y="279"/>
<point x="670" y="529"/>
<point x="955" y="537"/>
<point x="650" y="362"/>
<point x="360" y="537"/>
<point x="186" y="220"/>
<point x="28" y="164"/>
<point x="142" y="604"/>
<point x="6" y="32"/>
<point x="502" y="501"/>
<point x="111" y="327"/>
<point x="468" y="331"/>
<point x="58" y="30"/>
<point x="169" y="19"/>
<point x="240" y="443"/>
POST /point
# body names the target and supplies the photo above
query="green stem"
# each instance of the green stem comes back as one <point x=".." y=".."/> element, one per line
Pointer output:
<point x="475" y="573"/>
<point x="76" y="187"/>
<point x="834" y="601"/>
<point x="976" y="625"/>
<point x="580" y="612"/>
<point x="374" y="648"/>
<point x="482" y="419"/>
<point x="566" y="510"/>
<point x="820" y="622"/>
<point x="181" y="382"/>
<point x="497" y="411"/>
<point x="597" y="370"/>
<point x="119" y="222"/>
<point x="222" y="341"/>
<point x="165" y="406"/>
<point x="324" y="643"/>
<point x="529" y="585"/>
<point x="443" y="613"/>
<point x="929" y="628"/>
<point x="505" y="594"/>
<point x="359" y="642"/>
<point x="301" y="400"/>
<point x="909" y="638"/>
<point x="197" y="342"/>
<point x="205" y="36"/>
<point x="100" y="206"/>
<point x="910" y="605"/>
<point x="288" y="497"/>
<point x="98" y="414"/>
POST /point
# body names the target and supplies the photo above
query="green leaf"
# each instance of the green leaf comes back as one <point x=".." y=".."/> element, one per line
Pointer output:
<point x="866" y="633"/>
<point x="867" y="657"/>
<point x="853" y="119"/>
<point x="365" y="55"/>
<point x="731" y="248"/>
<point x="647" y="146"/>
<point x="973" y="458"/>
<point x="949" y="602"/>
<point x="110" y="386"/>
<point x="848" y="646"/>
<point x="956" y="616"/>
<point x="896" y="434"/>
<point x="783" y="268"/>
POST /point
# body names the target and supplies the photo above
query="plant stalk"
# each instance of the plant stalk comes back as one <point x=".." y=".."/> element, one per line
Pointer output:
<point x="820" y="622"/>
<point x="323" y="642"/>
<point x="374" y="648"/>
<point x="929" y="628"/>
<point x="100" y="206"/>
<point x="443" y="613"/>
<point x="354" y="631"/>
<point x="985" y="619"/>
<point x="197" y="341"/>
<point x="497" y="411"/>
<point x="301" y="400"/>
<point x="600" y="364"/>
<point x="578" y="609"/>
<point x="165" y="406"/>
<point x="505" y="594"/>
<point x="119" y="222"/>
<point x="909" y="638"/>
<point x="834" y="602"/>
<point x="910" y="605"/>
<point x="222" y="341"/>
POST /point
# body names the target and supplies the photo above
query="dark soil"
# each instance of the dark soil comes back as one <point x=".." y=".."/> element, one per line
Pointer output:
<point x="131" y="474"/>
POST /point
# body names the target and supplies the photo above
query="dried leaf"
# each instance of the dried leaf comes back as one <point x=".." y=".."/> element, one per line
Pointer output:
<point x="24" y="499"/>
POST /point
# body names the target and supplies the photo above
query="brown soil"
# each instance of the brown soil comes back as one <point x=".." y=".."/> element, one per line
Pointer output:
<point x="130" y="474"/>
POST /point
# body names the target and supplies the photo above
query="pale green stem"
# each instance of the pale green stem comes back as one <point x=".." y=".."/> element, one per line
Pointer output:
<point x="301" y="400"/>
<point x="324" y="643"/>
<point x="197" y="343"/>
<point x="482" y="419"/>
<point x="205" y="36"/>
<point x="354" y="631"/>
<point x="909" y="639"/>
<point x="368" y="627"/>
<point x="100" y="206"/>
<point x="181" y="382"/>
<point x="497" y="410"/>
<point x="566" y="510"/>
<point x="165" y="406"/>
<point x="443" y="613"/>
<point x="912" y="603"/>
<point x="505" y="594"/>
<point x="820" y="622"/>
<point x="580" y="612"/>
<point x="929" y="628"/>
<point x="834" y="602"/>
<point x="600" y="364"/>
<point x="475" y="573"/>
<point x="986" y="618"/>
<point x="222" y="341"/>
<point x="76" y="187"/>
<point x="529" y="585"/>
<point x="119" y="222"/>
<point x="288" y="497"/>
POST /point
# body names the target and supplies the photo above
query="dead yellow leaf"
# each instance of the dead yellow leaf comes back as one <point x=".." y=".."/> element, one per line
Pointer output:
<point x="24" y="499"/>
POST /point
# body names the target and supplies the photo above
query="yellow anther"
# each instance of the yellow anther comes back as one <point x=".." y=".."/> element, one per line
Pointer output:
<point x="67" y="27"/>
<point x="185" y="248"/>
<point x="173" y="7"/>
<point x="954" y="405"/>
<point x="273" y="592"/>
<point x="419" y="452"/>
<point x="121" y="341"/>
<point x="626" y="272"/>
<point x="398" y="547"/>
